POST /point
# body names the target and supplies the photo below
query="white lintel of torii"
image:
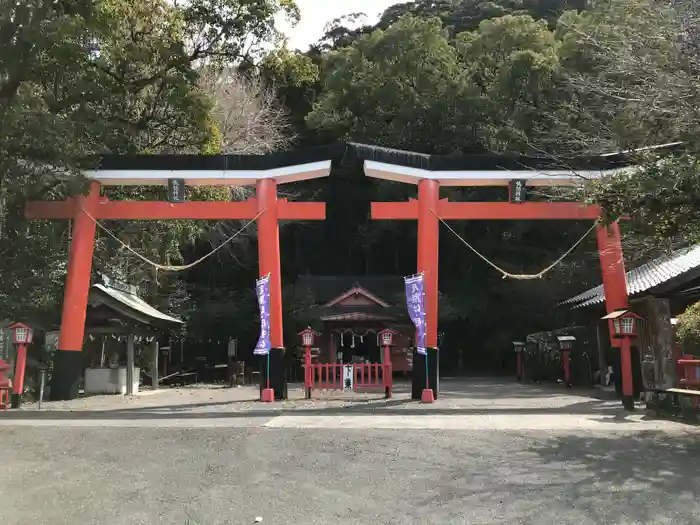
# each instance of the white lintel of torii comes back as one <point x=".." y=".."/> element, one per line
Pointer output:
<point x="152" y="177"/>
<point x="410" y="175"/>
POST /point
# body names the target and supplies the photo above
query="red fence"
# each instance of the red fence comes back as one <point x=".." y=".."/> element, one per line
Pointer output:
<point x="366" y="376"/>
<point x="688" y="368"/>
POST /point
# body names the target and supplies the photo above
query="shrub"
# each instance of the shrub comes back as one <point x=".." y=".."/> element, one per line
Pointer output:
<point x="688" y="328"/>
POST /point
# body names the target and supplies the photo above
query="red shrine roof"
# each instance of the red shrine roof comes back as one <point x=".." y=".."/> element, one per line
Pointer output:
<point x="357" y="298"/>
<point x="354" y="297"/>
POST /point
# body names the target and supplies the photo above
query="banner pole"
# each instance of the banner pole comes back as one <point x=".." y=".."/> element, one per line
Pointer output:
<point x="427" y="377"/>
<point x="268" y="369"/>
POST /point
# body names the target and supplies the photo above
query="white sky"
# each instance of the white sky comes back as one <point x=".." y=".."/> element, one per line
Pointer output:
<point x="315" y="14"/>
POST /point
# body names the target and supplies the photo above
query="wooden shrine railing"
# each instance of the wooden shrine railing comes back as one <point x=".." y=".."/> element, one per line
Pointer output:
<point x="355" y="377"/>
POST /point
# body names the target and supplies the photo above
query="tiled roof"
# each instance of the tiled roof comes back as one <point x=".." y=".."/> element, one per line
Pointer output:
<point x="133" y="302"/>
<point x="648" y="276"/>
<point x="350" y="151"/>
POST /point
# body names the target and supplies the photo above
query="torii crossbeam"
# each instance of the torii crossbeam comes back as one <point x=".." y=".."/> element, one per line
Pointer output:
<point x="432" y="172"/>
<point x="265" y="172"/>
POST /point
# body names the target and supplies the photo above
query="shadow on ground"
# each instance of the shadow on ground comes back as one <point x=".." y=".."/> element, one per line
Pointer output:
<point x="647" y="471"/>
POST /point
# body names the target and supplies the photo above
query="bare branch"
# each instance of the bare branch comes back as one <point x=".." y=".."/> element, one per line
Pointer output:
<point x="250" y="119"/>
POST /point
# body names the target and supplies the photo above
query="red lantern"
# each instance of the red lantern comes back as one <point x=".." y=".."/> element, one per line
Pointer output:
<point x="307" y="336"/>
<point x="387" y="336"/>
<point x="22" y="334"/>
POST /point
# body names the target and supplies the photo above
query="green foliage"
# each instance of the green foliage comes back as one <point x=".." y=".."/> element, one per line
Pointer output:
<point x="688" y="328"/>
<point x="391" y="87"/>
<point x="112" y="76"/>
<point x="663" y="197"/>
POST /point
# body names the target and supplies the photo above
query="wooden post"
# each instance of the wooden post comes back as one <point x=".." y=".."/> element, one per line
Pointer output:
<point x="130" y="365"/>
<point x="154" y="364"/>
<point x="103" y="352"/>
<point x="602" y="363"/>
<point x="567" y="368"/>
<point x="659" y="317"/>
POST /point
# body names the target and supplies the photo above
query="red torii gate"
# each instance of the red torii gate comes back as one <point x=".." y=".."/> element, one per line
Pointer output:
<point x="428" y="209"/>
<point x="265" y="172"/>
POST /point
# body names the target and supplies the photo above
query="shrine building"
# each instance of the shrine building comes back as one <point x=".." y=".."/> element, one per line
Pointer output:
<point x="352" y="311"/>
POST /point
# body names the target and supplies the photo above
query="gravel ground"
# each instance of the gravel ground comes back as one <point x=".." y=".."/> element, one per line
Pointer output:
<point x="329" y="463"/>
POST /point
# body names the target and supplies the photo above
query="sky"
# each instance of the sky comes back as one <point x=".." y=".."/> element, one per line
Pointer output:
<point x="315" y="14"/>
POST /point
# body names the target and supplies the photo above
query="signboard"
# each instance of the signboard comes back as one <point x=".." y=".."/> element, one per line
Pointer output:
<point x="262" y="290"/>
<point x="348" y="379"/>
<point x="176" y="190"/>
<point x="116" y="284"/>
<point x="4" y="354"/>
<point x="517" y="191"/>
<point x="414" y="302"/>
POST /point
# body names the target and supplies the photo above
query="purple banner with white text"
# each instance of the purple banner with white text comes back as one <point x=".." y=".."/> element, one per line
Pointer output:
<point x="414" y="302"/>
<point x="262" y="290"/>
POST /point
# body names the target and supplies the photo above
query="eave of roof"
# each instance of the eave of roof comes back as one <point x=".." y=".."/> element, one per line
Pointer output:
<point x="648" y="277"/>
<point x="136" y="304"/>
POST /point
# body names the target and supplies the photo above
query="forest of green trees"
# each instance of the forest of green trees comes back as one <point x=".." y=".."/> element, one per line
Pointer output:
<point x="555" y="78"/>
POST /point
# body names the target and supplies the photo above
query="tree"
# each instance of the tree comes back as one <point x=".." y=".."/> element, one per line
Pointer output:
<point x="391" y="87"/>
<point x="249" y="118"/>
<point x="636" y="76"/>
<point x="466" y="15"/>
<point x="116" y="76"/>
<point x="688" y="328"/>
<point x="512" y="64"/>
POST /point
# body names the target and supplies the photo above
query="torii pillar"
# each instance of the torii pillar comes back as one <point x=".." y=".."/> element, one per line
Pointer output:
<point x="616" y="298"/>
<point x="269" y="210"/>
<point x="427" y="264"/>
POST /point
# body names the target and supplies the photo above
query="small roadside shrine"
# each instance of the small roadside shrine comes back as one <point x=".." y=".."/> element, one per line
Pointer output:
<point x="352" y="312"/>
<point x="117" y="321"/>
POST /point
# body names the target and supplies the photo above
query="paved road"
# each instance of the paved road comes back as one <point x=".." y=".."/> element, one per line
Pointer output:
<point x="488" y="453"/>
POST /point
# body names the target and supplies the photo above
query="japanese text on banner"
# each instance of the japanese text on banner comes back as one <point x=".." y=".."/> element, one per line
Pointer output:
<point x="262" y="290"/>
<point x="414" y="302"/>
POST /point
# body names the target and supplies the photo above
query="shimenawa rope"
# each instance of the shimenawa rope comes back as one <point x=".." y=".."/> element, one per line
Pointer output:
<point x="165" y="267"/>
<point x="508" y="275"/>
